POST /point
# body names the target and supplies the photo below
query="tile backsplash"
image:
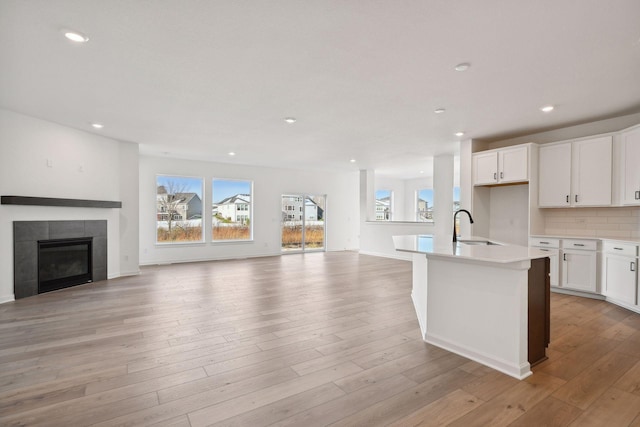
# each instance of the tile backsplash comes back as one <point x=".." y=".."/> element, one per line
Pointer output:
<point x="596" y="222"/>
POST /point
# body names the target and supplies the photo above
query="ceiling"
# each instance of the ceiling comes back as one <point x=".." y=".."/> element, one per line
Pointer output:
<point x="200" y="79"/>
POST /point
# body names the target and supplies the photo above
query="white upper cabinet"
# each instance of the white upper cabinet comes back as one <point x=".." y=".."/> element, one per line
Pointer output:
<point x="485" y="168"/>
<point x="503" y="166"/>
<point x="576" y="173"/>
<point x="554" y="176"/>
<point x="591" y="173"/>
<point x="631" y="167"/>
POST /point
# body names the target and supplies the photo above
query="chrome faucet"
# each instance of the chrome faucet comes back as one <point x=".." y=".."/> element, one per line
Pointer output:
<point x="455" y="238"/>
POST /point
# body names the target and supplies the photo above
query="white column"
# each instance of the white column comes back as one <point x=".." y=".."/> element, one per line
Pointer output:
<point x="443" y="194"/>
<point x="367" y="195"/>
<point x="466" y="186"/>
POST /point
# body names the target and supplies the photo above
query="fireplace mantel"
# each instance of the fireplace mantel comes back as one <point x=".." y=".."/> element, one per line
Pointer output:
<point x="52" y="201"/>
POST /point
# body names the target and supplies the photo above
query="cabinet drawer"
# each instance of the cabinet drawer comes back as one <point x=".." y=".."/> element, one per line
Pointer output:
<point x="586" y="245"/>
<point x="545" y="242"/>
<point x="625" y="249"/>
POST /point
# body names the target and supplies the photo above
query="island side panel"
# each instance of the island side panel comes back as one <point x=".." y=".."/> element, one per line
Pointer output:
<point x="539" y="310"/>
<point x="419" y="290"/>
<point x="479" y="310"/>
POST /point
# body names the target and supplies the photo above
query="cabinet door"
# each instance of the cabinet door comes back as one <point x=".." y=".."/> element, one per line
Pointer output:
<point x="579" y="270"/>
<point x="485" y="168"/>
<point x="554" y="175"/>
<point x="631" y="164"/>
<point x="621" y="278"/>
<point x="513" y="165"/>
<point x="591" y="172"/>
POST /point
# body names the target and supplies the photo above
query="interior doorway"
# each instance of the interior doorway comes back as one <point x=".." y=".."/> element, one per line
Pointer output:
<point x="303" y="223"/>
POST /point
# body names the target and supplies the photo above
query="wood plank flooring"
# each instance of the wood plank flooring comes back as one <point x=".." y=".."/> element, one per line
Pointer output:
<point x="299" y="340"/>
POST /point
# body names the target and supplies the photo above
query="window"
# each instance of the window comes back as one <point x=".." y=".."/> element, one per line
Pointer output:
<point x="384" y="205"/>
<point x="178" y="209"/>
<point x="424" y="205"/>
<point x="231" y="210"/>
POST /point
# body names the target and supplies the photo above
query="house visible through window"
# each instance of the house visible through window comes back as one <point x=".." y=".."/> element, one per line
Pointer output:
<point x="178" y="209"/>
<point x="424" y="205"/>
<point x="384" y="205"/>
<point x="231" y="210"/>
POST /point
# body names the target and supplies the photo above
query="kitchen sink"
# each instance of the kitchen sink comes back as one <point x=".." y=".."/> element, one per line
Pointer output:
<point x="477" y="242"/>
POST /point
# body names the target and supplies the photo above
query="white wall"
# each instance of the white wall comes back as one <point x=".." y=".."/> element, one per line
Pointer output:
<point x="342" y="213"/>
<point x="40" y="158"/>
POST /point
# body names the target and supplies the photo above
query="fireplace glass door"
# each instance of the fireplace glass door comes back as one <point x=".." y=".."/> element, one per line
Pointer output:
<point x="63" y="263"/>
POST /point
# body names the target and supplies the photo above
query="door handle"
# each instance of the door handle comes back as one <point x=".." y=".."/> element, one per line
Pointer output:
<point x="576" y="198"/>
<point x="564" y="257"/>
<point x="567" y="198"/>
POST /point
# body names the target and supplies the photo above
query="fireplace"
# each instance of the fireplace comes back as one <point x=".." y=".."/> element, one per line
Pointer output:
<point x="63" y="263"/>
<point x="50" y="255"/>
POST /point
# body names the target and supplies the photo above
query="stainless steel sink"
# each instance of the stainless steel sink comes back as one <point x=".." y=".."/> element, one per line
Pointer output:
<point x="477" y="242"/>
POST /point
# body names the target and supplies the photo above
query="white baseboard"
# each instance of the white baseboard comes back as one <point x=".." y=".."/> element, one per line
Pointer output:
<point x="515" y="371"/>
<point x="7" y="298"/>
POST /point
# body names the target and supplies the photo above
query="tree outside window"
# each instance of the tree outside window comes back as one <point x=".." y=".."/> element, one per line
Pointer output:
<point x="178" y="209"/>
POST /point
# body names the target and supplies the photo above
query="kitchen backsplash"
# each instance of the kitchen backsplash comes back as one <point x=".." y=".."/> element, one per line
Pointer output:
<point x="595" y="222"/>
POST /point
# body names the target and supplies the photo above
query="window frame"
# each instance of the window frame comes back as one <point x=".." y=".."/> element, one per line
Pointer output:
<point x="163" y="212"/>
<point x="245" y="212"/>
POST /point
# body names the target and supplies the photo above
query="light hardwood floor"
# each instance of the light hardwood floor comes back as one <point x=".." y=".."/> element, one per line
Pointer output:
<point x="298" y="340"/>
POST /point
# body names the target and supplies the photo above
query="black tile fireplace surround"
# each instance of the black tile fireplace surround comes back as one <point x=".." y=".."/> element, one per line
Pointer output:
<point x="26" y="235"/>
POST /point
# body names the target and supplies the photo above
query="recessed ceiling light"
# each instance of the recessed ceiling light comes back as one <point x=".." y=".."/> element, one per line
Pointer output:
<point x="459" y="133"/>
<point x="97" y="125"/>
<point x="547" y="108"/>
<point x="290" y="120"/>
<point x="462" y="67"/>
<point x="231" y="153"/>
<point x="75" y="36"/>
<point x="439" y="110"/>
<point x="352" y="160"/>
<point x="421" y="171"/>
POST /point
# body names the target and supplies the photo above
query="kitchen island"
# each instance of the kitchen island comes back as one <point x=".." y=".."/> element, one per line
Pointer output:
<point x="483" y="300"/>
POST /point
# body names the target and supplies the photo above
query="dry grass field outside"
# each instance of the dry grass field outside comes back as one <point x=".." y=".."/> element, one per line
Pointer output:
<point x="292" y="236"/>
<point x="238" y="232"/>
<point x="180" y="233"/>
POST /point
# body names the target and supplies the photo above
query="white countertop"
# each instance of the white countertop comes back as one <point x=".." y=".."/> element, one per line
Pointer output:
<point x="444" y="247"/>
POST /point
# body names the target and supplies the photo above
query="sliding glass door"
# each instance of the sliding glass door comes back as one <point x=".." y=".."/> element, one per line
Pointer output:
<point x="303" y="222"/>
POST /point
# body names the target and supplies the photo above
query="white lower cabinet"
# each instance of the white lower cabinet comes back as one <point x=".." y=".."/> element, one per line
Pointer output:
<point x="620" y="273"/>
<point x="579" y="265"/>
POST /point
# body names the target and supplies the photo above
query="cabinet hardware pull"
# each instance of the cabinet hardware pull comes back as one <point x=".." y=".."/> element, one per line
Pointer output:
<point x="576" y="198"/>
<point x="618" y="249"/>
<point x="564" y="257"/>
<point x="501" y="175"/>
<point x="495" y="176"/>
<point x="567" y="198"/>
<point x="544" y="243"/>
<point x="637" y="195"/>
<point x="633" y="266"/>
<point x="578" y="244"/>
